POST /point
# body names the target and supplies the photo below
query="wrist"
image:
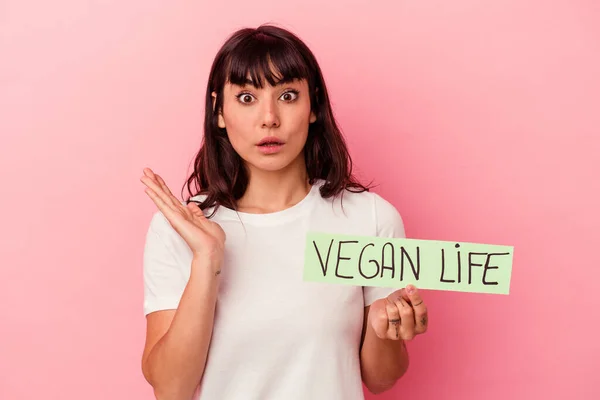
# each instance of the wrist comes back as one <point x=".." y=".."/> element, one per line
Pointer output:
<point x="207" y="267"/>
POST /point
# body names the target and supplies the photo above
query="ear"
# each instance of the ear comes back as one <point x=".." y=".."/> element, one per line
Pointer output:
<point x="220" y="119"/>
<point x="313" y="116"/>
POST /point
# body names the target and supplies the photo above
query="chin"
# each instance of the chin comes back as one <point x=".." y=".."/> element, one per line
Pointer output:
<point x="272" y="165"/>
<point x="276" y="162"/>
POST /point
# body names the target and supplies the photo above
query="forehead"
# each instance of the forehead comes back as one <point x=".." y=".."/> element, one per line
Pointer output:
<point x="268" y="67"/>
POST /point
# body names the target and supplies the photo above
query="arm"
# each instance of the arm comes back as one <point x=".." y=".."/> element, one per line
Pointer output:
<point x="389" y="323"/>
<point x="177" y="342"/>
<point x="383" y="361"/>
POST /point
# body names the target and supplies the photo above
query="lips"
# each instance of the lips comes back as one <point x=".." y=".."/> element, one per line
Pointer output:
<point x="270" y="141"/>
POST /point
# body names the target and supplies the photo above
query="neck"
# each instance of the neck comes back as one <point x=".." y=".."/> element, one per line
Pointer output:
<point x="272" y="191"/>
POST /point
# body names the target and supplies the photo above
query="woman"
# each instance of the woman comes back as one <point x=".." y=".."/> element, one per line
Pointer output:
<point x="228" y="312"/>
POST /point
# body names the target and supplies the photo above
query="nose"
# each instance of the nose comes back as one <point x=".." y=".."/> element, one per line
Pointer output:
<point x="270" y="115"/>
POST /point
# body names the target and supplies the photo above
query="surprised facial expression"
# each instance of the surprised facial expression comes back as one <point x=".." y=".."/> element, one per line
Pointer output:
<point x="267" y="126"/>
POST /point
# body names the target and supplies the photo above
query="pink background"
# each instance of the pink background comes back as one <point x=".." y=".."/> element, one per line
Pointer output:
<point x="479" y="120"/>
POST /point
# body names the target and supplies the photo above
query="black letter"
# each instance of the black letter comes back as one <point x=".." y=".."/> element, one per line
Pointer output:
<point x="474" y="265"/>
<point x="342" y="258"/>
<point x="323" y="267"/>
<point x="443" y="266"/>
<point x="458" y="259"/>
<point x="487" y="266"/>
<point x="412" y="266"/>
<point x="373" y="261"/>
<point x="383" y="259"/>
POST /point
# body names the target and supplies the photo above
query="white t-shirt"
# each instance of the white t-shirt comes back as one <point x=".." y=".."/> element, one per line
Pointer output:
<point x="276" y="336"/>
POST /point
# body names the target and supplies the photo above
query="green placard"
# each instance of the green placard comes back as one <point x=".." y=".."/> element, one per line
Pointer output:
<point x="396" y="262"/>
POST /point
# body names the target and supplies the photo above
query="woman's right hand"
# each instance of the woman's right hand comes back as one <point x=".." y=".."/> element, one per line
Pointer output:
<point x="205" y="238"/>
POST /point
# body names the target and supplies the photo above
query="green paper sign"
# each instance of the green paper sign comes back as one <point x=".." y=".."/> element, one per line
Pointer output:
<point x="396" y="262"/>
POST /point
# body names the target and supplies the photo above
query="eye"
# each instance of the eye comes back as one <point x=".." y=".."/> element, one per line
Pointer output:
<point x="289" y="96"/>
<point x="245" y="98"/>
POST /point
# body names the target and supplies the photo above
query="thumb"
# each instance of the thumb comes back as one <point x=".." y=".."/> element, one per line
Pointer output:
<point x="195" y="209"/>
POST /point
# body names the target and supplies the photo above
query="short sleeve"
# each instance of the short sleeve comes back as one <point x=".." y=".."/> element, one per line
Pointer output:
<point x="164" y="275"/>
<point x="389" y="224"/>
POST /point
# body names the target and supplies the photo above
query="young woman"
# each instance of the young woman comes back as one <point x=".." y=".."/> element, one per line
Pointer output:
<point x="228" y="313"/>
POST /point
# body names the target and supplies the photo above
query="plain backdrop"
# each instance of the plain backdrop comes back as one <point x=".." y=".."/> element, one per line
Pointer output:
<point x="479" y="120"/>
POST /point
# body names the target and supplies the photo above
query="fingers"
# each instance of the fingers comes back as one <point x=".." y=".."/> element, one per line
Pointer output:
<point x="153" y="182"/>
<point x="407" y="328"/>
<point x="412" y="311"/>
<point x="166" y="189"/>
<point x="197" y="214"/>
<point x="196" y="210"/>
<point x="402" y="315"/>
<point x="393" y="319"/>
<point x="380" y="322"/>
<point x="419" y="307"/>
<point x="165" y="208"/>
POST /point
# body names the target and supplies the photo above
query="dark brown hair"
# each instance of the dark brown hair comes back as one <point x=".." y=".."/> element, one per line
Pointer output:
<point x="219" y="172"/>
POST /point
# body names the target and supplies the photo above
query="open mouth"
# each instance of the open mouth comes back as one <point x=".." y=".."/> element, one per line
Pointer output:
<point x="270" y="144"/>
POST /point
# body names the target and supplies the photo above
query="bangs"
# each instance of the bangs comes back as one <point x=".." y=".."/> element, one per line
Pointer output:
<point x="262" y="57"/>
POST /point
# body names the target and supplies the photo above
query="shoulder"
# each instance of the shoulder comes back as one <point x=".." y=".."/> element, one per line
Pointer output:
<point x="159" y="224"/>
<point x="162" y="241"/>
<point x="388" y="218"/>
<point x="384" y="217"/>
<point x="382" y="212"/>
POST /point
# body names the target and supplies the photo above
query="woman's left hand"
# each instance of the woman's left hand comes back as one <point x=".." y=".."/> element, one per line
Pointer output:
<point x="400" y="316"/>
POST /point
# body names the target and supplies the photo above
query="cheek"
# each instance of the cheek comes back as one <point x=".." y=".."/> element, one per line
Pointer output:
<point x="239" y="126"/>
<point x="298" y="123"/>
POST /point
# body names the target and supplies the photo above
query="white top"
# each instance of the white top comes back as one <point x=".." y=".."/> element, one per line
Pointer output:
<point x="276" y="336"/>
